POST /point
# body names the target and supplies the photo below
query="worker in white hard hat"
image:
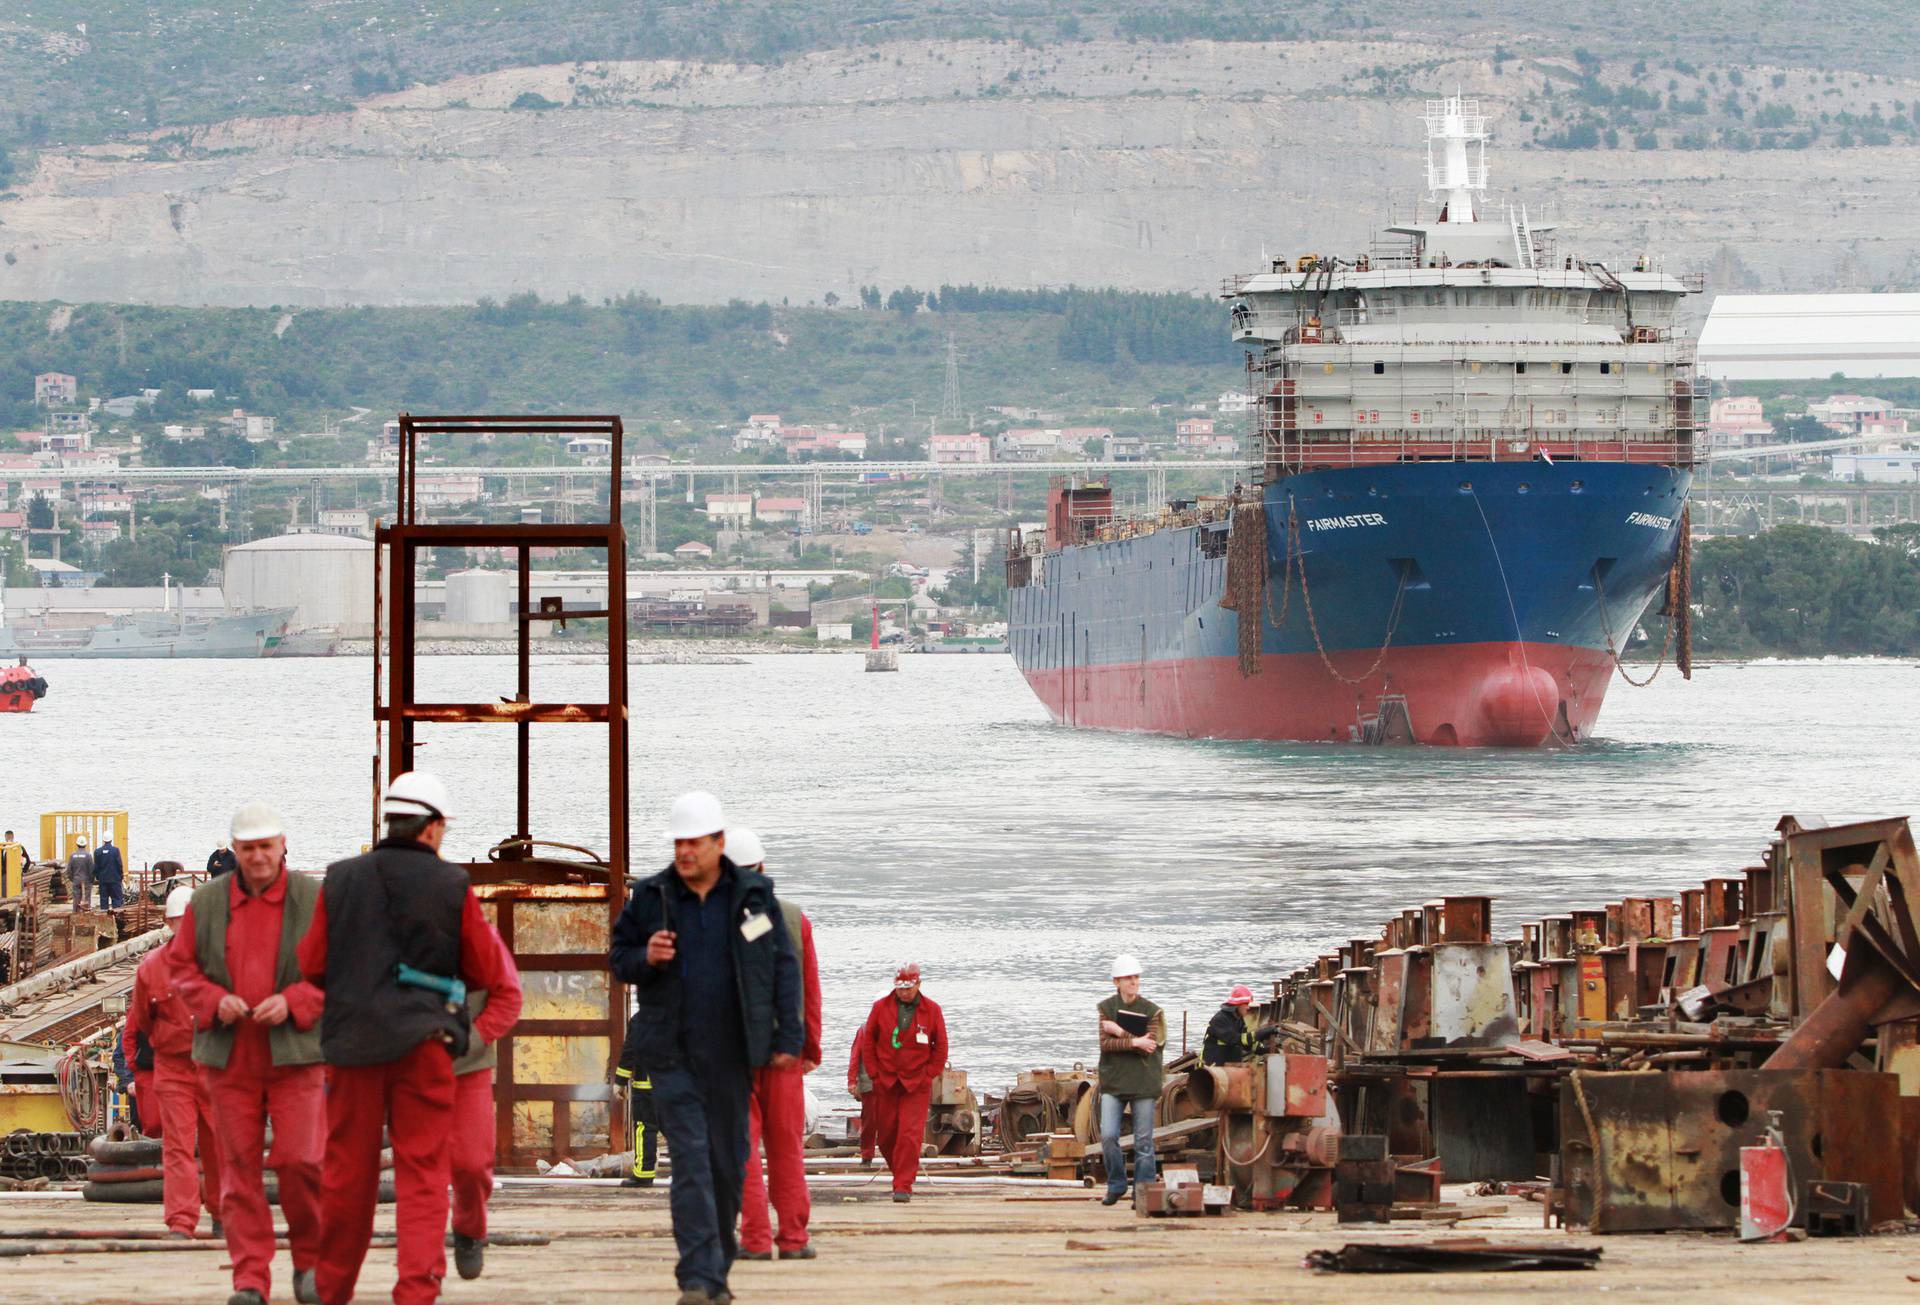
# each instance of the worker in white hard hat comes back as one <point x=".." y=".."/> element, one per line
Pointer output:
<point x="777" y="1114"/>
<point x="716" y="975"/>
<point x="80" y="874"/>
<point x="109" y="872"/>
<point x="167" y="1086"/>
<point x="257" y="1043"/>
<point x="396" y="928"/>
<point x="1133" y="1035"/>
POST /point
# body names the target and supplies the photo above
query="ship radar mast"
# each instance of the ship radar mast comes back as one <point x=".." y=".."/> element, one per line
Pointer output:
<point x="1456" y="155"/>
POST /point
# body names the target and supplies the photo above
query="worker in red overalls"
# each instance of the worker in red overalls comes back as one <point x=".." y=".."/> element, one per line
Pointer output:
<point x="181" y="1112"/>
<point x="257" y="1047"/>
<point x="777" y="1110"/>
<point x="472" y="1147"/>
<point x="394" y="930"/>
<point x="860" y="1085"/>
<point x="904" y="1046"/>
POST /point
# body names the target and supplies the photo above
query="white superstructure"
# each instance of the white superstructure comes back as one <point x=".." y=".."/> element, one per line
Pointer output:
<point x="1466" y="336"/>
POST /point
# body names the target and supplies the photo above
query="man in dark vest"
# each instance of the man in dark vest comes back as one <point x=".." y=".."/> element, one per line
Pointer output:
<point x="109" y="872"/>
<point x="1229" y="1038"/>
<point x="391" y="932"/>
<point x="476" y="1134"/>
<point x="255" y="1041"/>
<point x="717" y="979"/>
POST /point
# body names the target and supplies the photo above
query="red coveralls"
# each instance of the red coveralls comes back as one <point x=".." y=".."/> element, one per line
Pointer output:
<point x="252" y="1089"/>
<point x="182" y="1112"/>
<point x="777" y="1113"/>
<point x="902" y="1080"/>
<point x="474" y="1140"/>
<point x="853" y="1086"/>
<point x="412" y="1098"/>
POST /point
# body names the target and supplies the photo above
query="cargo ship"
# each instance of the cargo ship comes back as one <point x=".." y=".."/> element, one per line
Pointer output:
<point x="1471" y="458"/>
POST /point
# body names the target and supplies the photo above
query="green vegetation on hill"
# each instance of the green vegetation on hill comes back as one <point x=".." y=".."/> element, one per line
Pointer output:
<point x="1058" y="350"/>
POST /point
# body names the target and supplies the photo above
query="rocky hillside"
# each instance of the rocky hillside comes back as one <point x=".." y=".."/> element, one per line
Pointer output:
<point x="1152" y="164"/>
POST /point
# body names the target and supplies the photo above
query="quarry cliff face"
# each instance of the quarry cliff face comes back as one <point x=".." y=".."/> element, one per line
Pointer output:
<point x="1101" y="164"/>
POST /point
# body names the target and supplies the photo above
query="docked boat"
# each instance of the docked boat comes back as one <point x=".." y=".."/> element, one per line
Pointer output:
<point x="1472" y="454"/>
<point x="152" y="634"/>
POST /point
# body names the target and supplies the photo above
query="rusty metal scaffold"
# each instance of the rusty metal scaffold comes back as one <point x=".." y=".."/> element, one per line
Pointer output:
<point x="553" y="1090"/>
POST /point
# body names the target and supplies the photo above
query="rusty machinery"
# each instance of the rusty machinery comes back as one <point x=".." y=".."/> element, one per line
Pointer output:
<point x="553" y="1093"/>
<point x="1277" y="1130"/>
<point x="953" y="1116"/>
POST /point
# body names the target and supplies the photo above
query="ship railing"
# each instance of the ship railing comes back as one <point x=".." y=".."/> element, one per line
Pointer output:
<point x="1295" y="452"/>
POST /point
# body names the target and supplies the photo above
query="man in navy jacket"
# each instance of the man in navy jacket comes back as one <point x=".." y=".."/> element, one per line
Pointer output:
<point x="717" y="982"/>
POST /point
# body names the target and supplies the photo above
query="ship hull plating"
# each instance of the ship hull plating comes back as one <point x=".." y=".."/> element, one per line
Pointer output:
<point x="1475" y="604"/>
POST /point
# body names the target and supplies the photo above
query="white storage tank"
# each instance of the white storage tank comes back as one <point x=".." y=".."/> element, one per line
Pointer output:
<point x="326" y="579"/>
<point x="479" y="597"/>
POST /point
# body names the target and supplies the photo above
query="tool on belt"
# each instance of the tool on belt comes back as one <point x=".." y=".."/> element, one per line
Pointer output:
<point x="453" y="989"/>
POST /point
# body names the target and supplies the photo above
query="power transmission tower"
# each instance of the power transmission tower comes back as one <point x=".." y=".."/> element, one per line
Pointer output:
<point x="950" y="397"/>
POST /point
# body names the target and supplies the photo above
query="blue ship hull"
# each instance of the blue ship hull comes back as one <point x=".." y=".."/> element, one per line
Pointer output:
<point x="1446" y="602"/>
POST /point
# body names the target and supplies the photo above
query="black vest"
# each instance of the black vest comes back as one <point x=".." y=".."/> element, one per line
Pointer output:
<point x="399" y="902"/>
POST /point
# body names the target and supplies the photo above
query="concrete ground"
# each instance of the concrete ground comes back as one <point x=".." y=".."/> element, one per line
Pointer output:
<point x="985" y="1243"/>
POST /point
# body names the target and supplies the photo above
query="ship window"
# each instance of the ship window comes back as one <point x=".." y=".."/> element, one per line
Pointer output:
<point x="1520" y="369"/>
<point x="1566" y="369"/>
<point x="1379" y="369"/>
<point x="1505" y="298"/>
<point x="1606" y="368"/>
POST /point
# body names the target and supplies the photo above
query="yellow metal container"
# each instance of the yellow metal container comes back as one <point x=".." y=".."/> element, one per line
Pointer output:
<point x="33" y="1106"/>
<point x="60" y="830"/>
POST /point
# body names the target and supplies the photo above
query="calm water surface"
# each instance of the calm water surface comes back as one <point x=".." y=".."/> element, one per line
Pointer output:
<point x="936" y="814"/>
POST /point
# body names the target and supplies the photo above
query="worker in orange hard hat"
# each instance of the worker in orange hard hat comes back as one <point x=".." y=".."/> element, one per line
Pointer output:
<point x="1229" y="1036"/>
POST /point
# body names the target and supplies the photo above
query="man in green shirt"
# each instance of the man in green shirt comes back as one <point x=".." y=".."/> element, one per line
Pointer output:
<point x="1132" y="1033"/>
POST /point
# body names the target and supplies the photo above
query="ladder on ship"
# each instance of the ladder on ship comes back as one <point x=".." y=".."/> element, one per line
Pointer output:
<point x="1522" y="236"/>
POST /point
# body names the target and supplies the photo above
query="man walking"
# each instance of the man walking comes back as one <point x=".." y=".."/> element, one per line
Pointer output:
<point x="13" y="867"/>
<point x="904" y="1046"/>
<point x="254" y="1040"/>
<point x="392" y="931"/>
<point x="1132" y="1033"/>
<point x="717" y="979"/>
<point x="178" y="1105"/>
<point x="632" y="1076"/>
<point x="80" y="875"/>
<point x="109" y="872"/>
<point x="475" y="1140"/>
<point x="1229" y="1039"/>
<point x="860" y="1087"/>
<point x="777" y="1114"/>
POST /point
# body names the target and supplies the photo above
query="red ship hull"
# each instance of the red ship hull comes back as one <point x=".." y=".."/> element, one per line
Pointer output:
<point x="1467" y="695"/>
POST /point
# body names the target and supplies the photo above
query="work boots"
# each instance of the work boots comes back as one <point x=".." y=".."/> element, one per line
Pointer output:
<point x="246" y="1296"/>
<point x="469" y="1255"/>
<point x="304" y="1288"/>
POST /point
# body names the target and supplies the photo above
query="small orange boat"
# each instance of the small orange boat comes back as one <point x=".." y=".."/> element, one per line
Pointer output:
<point x="20" y="688"/>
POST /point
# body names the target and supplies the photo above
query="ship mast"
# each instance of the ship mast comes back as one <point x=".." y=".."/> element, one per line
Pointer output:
<point x="1456" y="155"/>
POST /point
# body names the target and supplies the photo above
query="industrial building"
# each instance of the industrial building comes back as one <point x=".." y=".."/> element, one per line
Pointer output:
<point x="326" y="579"/>
<point x="1783" y="337"/>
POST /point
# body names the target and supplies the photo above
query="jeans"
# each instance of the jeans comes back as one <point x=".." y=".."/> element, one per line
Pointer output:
<point x="1144" y="1167"/>
<point x="704" y="1116"/>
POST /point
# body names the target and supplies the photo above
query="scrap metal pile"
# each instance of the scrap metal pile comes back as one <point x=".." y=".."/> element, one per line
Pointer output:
<point x="1630" y="1050"/>
<point x="1613" y="1061"/>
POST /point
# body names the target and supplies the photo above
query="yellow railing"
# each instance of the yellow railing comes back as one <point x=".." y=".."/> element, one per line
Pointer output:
<point x="61" y="830"/>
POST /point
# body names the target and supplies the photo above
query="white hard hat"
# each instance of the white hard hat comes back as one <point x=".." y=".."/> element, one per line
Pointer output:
<point x="1126" y="967"/>
<point x="694" y="815"/>
<point x="177" y="900"/>
<point x="107" y="837"/>
<point x="255" y="820"/>
<point x="80" y="840"/>
<point x="417" y="793"/>
<point x="743" y="848"/>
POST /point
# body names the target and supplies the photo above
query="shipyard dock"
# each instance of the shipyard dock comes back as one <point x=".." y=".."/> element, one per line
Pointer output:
<point x="990" y="1242"/>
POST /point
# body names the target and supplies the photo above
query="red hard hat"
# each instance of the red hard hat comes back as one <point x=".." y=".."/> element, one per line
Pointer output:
<point x="909" y="972"/>
<point x="1241" y="995"/>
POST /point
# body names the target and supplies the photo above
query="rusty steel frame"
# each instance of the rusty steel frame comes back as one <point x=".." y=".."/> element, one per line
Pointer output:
<point x="518" y="878"/>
